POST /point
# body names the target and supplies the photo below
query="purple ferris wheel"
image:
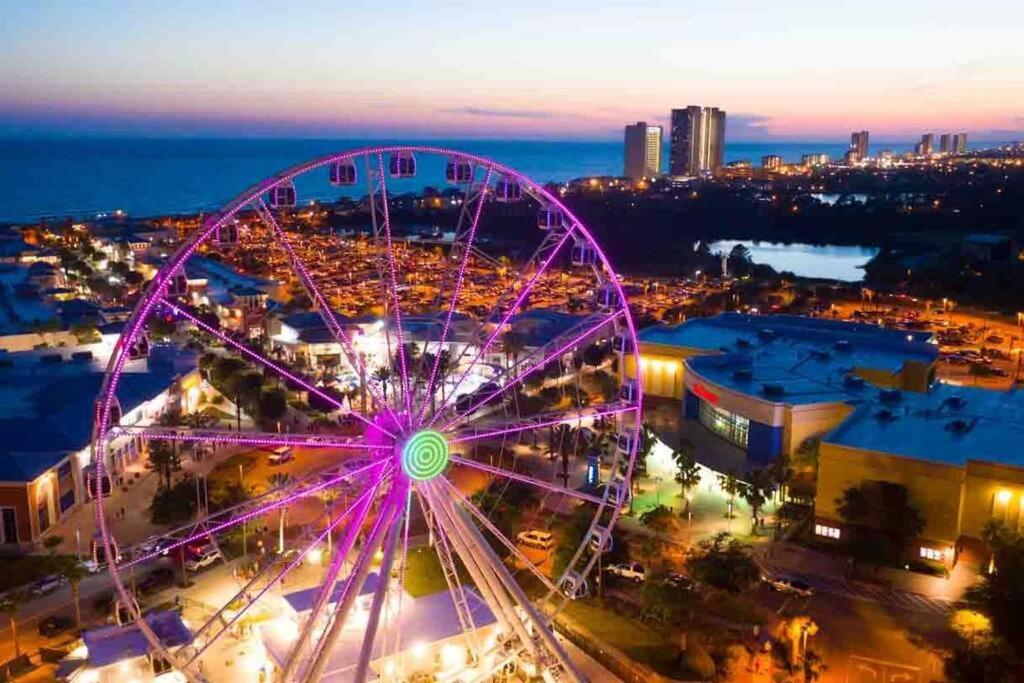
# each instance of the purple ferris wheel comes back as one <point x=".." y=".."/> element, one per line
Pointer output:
<point x="466" y="427"/>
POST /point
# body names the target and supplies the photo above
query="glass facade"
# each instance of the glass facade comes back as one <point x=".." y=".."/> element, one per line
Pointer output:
<point x="729" y="426"/>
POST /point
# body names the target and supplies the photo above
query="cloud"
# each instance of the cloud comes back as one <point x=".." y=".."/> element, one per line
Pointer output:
<point x="484" y="112"/>
<point x="747" y="126"/>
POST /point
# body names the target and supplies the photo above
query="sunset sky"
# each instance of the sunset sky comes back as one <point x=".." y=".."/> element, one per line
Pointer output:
<point x="569" y="69"/>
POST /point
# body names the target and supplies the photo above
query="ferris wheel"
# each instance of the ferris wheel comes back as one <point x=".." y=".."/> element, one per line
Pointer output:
<point x="439" y="363"/>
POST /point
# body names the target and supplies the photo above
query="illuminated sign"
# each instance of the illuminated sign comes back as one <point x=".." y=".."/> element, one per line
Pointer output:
<point x="593" y="471"/>
<point x="704" y="393"/>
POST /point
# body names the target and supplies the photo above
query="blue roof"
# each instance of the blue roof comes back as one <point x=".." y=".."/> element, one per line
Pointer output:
<point x="303" y="600"/>
<point x="112" y="644"/>
<point x="46" y="409"/>
<point x="949" y="425"/>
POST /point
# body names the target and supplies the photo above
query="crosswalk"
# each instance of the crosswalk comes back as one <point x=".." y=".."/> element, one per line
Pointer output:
<point x="856" y="590"/>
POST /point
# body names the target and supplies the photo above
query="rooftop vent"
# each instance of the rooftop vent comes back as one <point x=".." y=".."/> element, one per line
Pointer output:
<point x="773" y="390"/>
<point x="890" y="395"/>
<point x="885" y="415"/>
<point x="955" y="402"/>
<point x="81" y="356"/>
<point x="766" y="334"/>
<point x="742" y="343"/>
<point x="960" y="426"/>
<point x="743" y="373"/>
<point x="820" y="354"/>
<point x="843" y="345"/>
<point x="853" y="382"/>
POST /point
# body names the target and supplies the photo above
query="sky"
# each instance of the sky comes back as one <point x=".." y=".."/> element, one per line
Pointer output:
<point x="568" y="69"/>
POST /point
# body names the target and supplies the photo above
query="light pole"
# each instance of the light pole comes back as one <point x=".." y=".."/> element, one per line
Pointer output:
<point x="241" y="484"/>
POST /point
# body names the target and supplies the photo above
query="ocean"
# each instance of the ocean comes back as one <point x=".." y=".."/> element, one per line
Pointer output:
<point x="84" y="177"/>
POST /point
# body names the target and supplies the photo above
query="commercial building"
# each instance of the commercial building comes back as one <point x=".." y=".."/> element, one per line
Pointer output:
<point x="697" y="141"/>
<point x="771" y="162"/>
<point x="766" y="384"/>
<point x="959" y="143"/>
<point x="957" y="451"/>
<point x="47" y="400"/>
<point x="859" y="145"/>
<point x="814" y="160"/>
<point x="924" y="147"/>
<point x="642" y="151"/>
<point x="122" y="653"/>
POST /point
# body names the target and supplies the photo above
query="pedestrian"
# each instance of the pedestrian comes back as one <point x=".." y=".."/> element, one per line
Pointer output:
<point x="124" y="513"/>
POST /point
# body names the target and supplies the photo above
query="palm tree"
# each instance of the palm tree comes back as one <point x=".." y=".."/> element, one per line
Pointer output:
<point x="512" y="344"/>
<point x="383" y="375"/>
<point x="279" y="480"/>
<point x="164" y="460"/>
<point x="329" y="497"/>
<point x="11" y="605"/>
<point x="731" y="486"/>
<point x="687" y="472"/>
<point x="756" y="491"/>
<point x="71" y="569"/>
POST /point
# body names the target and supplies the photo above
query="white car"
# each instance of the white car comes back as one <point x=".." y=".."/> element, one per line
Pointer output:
<point x="631" y="571"/>
<point x="787" y="584"/>
<point x="535" y="538"/>
<point x="45" y="585"/>
<point x="205" y="559"/>
<point x="280" y="456"/>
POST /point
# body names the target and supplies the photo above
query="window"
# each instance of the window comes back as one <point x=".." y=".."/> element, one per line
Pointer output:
<point x="729" y="426"/>
<point x="160" y="665"/>
<point x="9" y="525"/>
<point x="826" y="531"/>
<point x="932" y="554"/>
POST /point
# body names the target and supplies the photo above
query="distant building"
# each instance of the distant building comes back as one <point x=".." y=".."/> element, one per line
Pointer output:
<point x="924" y="148"/>
<point x="642" y="147"/>
<point x="814" y="159"/>
<point x="859" y="145"/>
<point x="959" y="143"/>
<point x="945" y="143"/>
<point x="771" y="162"/>
<point x="698" y="141"/>
<point x="851" y="157"/>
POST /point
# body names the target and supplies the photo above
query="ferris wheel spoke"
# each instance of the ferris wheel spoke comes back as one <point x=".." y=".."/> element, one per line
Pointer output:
<point x="492" y="430"/>
<point x="527" y="479"/>
<point x="460" y="277"/>
<point x="361" y="503"/>
<point x="266" y="362"/>
<point x="322" y="305"/>
<point x="279" y="498"/>
<point x="234" y="438"/>
<point x="504" y="321"/>
<point x="494" y="531"/>
<point x="539" y="365"/>
<point x="396" y="306"/>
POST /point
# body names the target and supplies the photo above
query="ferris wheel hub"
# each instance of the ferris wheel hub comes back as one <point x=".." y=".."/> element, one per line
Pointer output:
<point x="425" y="455"/>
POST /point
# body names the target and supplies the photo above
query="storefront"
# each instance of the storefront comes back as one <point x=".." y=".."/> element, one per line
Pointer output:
<point x="730" y="426"/>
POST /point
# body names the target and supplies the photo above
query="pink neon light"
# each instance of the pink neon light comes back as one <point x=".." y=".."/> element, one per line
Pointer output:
<point x="397" y="309"/>
<point x="455" y="296"/>
<point x="540" y="425"/>
<point x="522" y="375"/>
<point x="497" y="330"/>
<point x="266" y="361"/>
<point x="263" y="509"/>
<point x="325" y="310"/>
<point x="242" y="439"/>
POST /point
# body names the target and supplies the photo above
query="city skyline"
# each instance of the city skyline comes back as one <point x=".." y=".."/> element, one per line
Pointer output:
<point x="205" y="70"/>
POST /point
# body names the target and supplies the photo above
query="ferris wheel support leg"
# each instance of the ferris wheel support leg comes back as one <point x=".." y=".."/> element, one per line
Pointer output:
<point x="493" y="592"/>
<point x="391" y="509"/>
<point x="500" y="571"/>
<point x="379" y="597"/>
<point x="328" y="587"/>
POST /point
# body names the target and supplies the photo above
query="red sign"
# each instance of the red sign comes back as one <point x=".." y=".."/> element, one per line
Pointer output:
<point x="704" y="393"/>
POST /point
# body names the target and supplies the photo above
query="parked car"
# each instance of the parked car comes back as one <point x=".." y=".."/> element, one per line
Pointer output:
<point x="45" y="585"/>
<point x="280" y="456"/>
<point x="208" y="557"/>
<point x="680" y="581"/>
<point x="158" y="579"/>
<point x="536" y="538"/>
<point x="154" y="545"/>
<point x="54" y="625"/>
<point x="631" y="571"/>
<point x="788" y="584"/>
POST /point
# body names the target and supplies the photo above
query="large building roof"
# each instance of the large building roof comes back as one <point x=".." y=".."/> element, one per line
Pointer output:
<point x="46" y="408"/>
<point x="112" y="644"/>
<point x="792" y="359"/>
<point x="949" y="425"/>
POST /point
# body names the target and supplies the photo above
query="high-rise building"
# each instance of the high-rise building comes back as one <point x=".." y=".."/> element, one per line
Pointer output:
<point x="924" y="148"/>
<point x="642" y="151"/>
<point x="944" y="143"/>
<point x="858" y="145"/>
<point x="959" y="143"/>
<point x="698" y="141"/>
<point x="771" y="162"/>
<point x="814" y="160"/>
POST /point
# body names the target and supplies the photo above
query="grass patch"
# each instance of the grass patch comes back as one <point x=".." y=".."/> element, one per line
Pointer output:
<point x="423" y="573"/>
<point x="229" y="468"/>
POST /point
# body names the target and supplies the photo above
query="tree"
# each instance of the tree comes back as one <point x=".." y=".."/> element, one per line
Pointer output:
<point x="85" y="333"/>
<point x="756" y="491"/>
<point x="71" y="569"/>
<point x="273" y="404"/>
<point x="687" y="472"/>
<point x="51" y="543"/>
<point x="382" y="375"/>
<point x="164" y="460"/>
<point x="175" y="504"/>
<point x="512" y="345"/>
<point x="1000" y="592"/>
<point x="880" y="519"/>
<point x="730" y="485"/>
<point x="10" y="605"/>
<point x="724" y="562"/>
<point x="279" y="480"/>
